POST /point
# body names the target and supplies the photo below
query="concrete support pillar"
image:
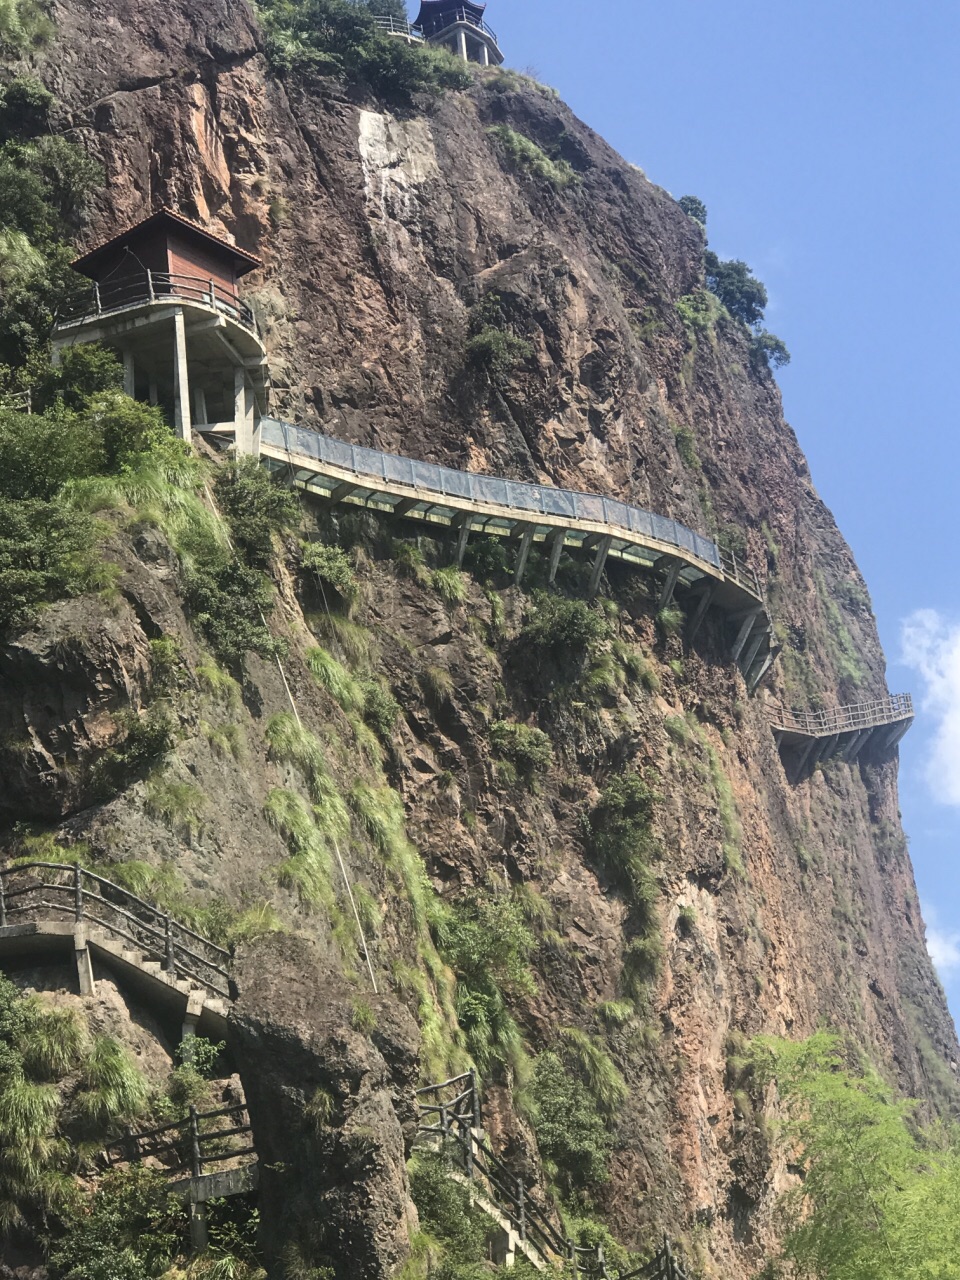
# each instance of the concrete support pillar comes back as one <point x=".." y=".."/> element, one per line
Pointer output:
<point x="462" y="45"/>
<point x="556" y="541"/>
<point x="754" y="649"/>
<point x="200" y="406"/>
<point x="129" y="375"/>
<point x="195" y="1002"/>
<point x="745" y="629"/>
<point x="242" y="414"/>
<point x="485" y="54"/>
<point x="199" y="1237"/>
<point x="701" y="612"/>
<point x="153" y="393"/>
<point x="762" y="670"/>
<point x="858" y="746"/>
<point x="599" y="564"/>
<point x="462" y="539"/>
<point x="805" y="756"/>
<point x="181" y="379"/>
<point x="81" y="951"/>
<point x="525" y="544"/>
<point x="666" y="595"/>
<point x="503" y="1247"/>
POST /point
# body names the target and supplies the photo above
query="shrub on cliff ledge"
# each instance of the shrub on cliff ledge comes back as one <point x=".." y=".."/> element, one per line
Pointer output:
<point x="523" y="155"/>
<point x="340" y="38"/>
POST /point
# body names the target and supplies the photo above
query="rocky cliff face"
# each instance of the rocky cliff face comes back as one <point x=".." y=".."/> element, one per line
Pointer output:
<point x="381" y="231"/>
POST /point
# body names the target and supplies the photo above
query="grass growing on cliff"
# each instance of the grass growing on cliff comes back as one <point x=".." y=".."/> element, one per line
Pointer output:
<point x="523" y="155"/>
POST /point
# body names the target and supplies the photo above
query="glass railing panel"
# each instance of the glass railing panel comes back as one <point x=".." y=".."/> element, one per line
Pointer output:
<point x="425" y="476"/>
<point x="524" y="497"/>
<point x="558" y="502"/>
<point x="455" y="483"/>
<point x="616" y="513"/>
<point x="398" y="470"/>
<point x="368" y="462"/>
<point x="589" y="507"/>
<point x="489" y="489"/>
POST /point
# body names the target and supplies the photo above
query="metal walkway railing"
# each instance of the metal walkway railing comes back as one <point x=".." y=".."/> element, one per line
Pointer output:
<point x="859" y="715"/>
<point x="451" y="1112"/>
<point x="40" y="891"/>
<point x="141" y="287"/>
<point x="191" y="1145"/>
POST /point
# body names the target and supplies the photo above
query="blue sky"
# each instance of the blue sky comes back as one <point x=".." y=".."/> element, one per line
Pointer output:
<point x="823" y="138"/>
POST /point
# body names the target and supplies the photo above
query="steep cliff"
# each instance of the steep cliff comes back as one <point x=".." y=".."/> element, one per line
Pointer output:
<point x="389" y="235"/>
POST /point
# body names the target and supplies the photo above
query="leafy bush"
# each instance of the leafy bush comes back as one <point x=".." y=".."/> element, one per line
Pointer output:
<point x="497" y="352"/>
<point x="524" y="155"/>
<point x="381" y="711"/>
<point x="23" y="25"/>
<point x="255" y="507"/>
<point x="450" y="585"/>
<point x="446" y="1210"/>
<point x="526" y="748"/>
<point x="571" y="1134"/>
<point x="227" y="603"/>
<point x="745" y="298"/>
<point x="619" y="839"/>
<point x="339" y="38"/>
<point x="767" y="350"/>
<point x="332" y="566"/>
<point x="563" y="627"/>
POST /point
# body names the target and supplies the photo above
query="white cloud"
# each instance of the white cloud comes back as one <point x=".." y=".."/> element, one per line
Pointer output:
<point x="942" y="944"/>
<point x="931" y="646"/>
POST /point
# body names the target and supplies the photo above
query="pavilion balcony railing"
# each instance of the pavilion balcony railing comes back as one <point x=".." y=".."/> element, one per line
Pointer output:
<point x="443" y="22"/>
<point x="157" y="286"/>
<point x="33" y="892"/>
<point x="396" y="27"/>
<point x="371" y="465"/>
<point x="861" y="715"/>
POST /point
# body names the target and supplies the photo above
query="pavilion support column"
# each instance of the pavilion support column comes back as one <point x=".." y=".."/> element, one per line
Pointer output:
<point x="152" y="392"/>
<point x="242" y="417"/>
<point x="485" y="55"/>
<point x="462" y="44"/>
<point x="129" y="375"/>
<point x="200" y="406"/>
<point x="181" y="379"/>
<point x="599" y="564"/>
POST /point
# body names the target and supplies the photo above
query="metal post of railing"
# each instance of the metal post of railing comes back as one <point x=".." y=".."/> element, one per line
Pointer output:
<point x="521" y="1209"/>
<point x="150" y="293"/>
<point x="196" y="1162"/>
<point x="171" y="963"/>
<point x="213" y="293"/>
<point x="78" y="893"/>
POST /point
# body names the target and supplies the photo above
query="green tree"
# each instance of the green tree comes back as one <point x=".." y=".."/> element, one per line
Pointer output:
<point x="570" y="1133"/>
<point x="767" y="350"/>
<point x="880" y="1196"/>
<point x="255" y="507"/>
<point x="694" y="209"/>
<point x="737" y="288"/>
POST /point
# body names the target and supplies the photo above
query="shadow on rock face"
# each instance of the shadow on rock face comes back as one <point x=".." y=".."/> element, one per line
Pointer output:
<point x="333" y="1111"/>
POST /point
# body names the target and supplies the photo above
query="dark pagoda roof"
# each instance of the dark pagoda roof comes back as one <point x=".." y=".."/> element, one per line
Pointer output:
<point x="168" y="220"/>
<point x="430" y="10"/>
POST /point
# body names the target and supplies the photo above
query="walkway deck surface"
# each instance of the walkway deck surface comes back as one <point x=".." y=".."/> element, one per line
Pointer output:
<point x="559" y="518"/>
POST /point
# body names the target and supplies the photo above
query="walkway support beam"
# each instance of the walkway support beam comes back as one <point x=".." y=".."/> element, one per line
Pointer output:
<point x="599" y="564"/>
<point x="526" y="542"/>
<point x="666" y="595"/>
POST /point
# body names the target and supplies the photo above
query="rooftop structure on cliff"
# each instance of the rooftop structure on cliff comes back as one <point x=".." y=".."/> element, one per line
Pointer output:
<point x="456" y="25"/>
<point x="165" y="296"/>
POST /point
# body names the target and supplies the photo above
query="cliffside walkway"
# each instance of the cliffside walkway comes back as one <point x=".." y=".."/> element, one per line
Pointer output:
<point x="207" y="1156"/>
<point x="450" y="1114"/>
<point x="814" y="737"/>
<point x="528" y="513"/>
<point x="49" y="908"/>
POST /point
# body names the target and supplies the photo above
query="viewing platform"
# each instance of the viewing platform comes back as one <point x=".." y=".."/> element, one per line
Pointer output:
<point x="526" y="513"/>
<point x="449" y="24"/>
<point x="814" y="737"/>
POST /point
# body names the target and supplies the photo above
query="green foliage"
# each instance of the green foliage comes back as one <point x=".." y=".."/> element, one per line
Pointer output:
<point x="381" y="711"/>
<point x="670" y="620"/>
<point x="619" y="834"/>
<point x="332" y="566"/>
<point x="112" y="1090"/>
<point x="523" y="155"/>
<point x="255" y="507"/>
<point x="497" y="352"/>
<point x="677" y="729"/>
<point x="363" y="1018"/>
<point x="840" y="643"/>
<point x="130" y="1229"/>
<point x="699" y="312"/>
<point x="880" y="1193"/>
<point x="686" y="920"/>
<point x="526" y="748"/>
<point x="446" y="1211"/>
<point x="337" y="680"/>
<point x="437" y="685"/>
<point x="339" y="38"/>
<point x="746" y="298"/>
<point x="228" y="603"/>
<point x="450" y="585"/>
<point x="768" y="351"/>
<point x="23" y="25"/>
<point x="488" y="944"/>
<point x="587" y="1057"/>
<point x="180" y="805"/>
<point x="571" y="1134"/>
<point x="694" y="209"/>
<point x="563" y="627"/>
